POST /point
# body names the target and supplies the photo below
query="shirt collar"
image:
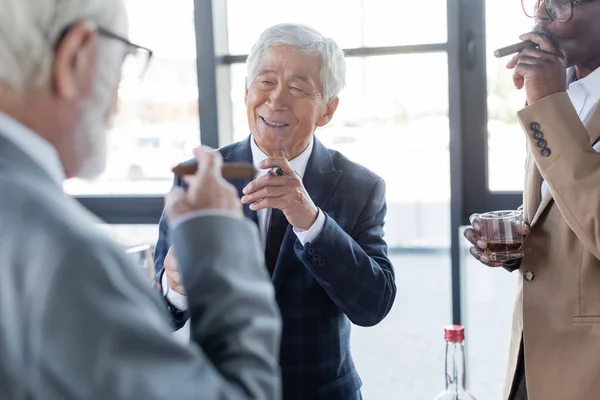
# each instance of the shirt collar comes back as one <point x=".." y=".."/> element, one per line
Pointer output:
<point x="32" y="144"/>
<point x="298" y="164"/>
<point x="592" y="84"/>
<point x="589" y="85"/>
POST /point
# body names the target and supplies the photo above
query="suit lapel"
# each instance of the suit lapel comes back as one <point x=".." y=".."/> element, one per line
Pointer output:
<point x="242" y="153"/>
<point x="593" y="125"/>
<point x="320" y="180"/>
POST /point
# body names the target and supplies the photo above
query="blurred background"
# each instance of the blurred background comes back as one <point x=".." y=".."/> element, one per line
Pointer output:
<point x="426" y="106"/>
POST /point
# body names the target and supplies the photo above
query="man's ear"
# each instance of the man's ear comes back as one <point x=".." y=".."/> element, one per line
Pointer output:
<point x="328" y="111"/>
<point x="74" y="64"/>
<point x="246" y="89"/>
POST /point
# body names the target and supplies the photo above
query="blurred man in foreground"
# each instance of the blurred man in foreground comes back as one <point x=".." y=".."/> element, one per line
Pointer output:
<point x="77" y="320"/>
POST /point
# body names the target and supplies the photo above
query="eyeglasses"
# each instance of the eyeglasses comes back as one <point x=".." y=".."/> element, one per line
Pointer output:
<point x="559" y="10"/>
<point x="137" y="58"/>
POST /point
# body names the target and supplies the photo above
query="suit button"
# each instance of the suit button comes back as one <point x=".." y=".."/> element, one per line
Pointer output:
<point x="537" y="135"/>
<point x="321" y="263"/>
<point x="542" y="143"/>
<point x="529" y="276"/>
<point x="534" y="126"/>
<point x="545" y="152"/>
<point x="310" y="251"/>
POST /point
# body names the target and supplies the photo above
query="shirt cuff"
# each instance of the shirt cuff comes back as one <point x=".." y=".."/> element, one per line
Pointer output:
<point x="195" y="214"/>
<point x="312" y="232"/>
<point x="179" y="301"/>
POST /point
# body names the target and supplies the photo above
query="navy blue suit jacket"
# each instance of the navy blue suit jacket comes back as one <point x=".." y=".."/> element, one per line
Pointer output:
<point x="343" y="276"/>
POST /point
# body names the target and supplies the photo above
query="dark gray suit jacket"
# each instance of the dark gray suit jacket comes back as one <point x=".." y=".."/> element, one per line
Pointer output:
<point x="78" y="321"/>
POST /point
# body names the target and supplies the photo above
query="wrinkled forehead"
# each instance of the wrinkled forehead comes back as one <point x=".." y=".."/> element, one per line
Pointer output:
<point x="290" y="62"/>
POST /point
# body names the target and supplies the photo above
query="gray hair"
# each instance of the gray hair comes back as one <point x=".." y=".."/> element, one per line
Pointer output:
<point x="307" y="40"/>
<point x="29" y="29"/>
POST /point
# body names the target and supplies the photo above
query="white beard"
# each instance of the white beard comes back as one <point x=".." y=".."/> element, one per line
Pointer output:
<point x="90" y="143"/>
<point x="91" y="132"/>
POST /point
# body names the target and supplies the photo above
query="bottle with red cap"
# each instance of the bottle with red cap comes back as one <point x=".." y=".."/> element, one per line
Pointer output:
<point x="455" y="365"/>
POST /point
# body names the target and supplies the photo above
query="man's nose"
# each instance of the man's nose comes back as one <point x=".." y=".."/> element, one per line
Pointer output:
<point x="541" y="14"/>
<point x="278" y="99"/>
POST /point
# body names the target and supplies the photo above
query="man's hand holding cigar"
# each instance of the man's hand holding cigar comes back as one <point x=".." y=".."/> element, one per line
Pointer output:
<point x="540" y="70"/>
<point x="285" y="192"/>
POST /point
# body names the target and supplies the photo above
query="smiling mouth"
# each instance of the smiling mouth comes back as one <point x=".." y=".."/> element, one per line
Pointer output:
<point x="273" y="123"/>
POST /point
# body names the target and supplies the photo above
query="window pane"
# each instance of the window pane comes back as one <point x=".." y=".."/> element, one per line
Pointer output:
<point x="398" y="127"/>
<point x="506" y="141"/>
<point x="132" y="235"/>
<point x="352" y="23"/>
<point x="157" y="123"/>
<point x="488" y="296"/>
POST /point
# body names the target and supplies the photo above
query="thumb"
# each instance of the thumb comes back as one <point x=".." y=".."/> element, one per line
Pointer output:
<point x="176" y="203"/>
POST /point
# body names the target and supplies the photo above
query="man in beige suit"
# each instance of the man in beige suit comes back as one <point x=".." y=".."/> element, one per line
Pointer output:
<point x="555" y="346"/>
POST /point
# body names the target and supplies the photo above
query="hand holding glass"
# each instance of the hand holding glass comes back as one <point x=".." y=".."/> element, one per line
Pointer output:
<point x="503" y="232"/>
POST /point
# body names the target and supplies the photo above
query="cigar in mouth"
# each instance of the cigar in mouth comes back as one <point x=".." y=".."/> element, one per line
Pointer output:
<point x="228" y="170"/>
<point x="513" y="48"/>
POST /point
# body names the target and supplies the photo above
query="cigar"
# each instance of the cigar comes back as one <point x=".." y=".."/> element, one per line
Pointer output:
<point x="513" y="48"/>
<point x="228" y="170"/>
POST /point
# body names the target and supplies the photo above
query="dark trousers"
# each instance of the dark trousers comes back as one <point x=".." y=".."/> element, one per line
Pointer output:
<point x="519" y="386"/>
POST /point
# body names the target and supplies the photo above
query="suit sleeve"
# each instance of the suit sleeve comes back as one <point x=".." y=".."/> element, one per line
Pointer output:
<point x="355" y="270"/>
<point x="104" y="333"/>
<point x="570" y="165"/>
<point x="178" y="317"/>
<point x="163" y="243"/>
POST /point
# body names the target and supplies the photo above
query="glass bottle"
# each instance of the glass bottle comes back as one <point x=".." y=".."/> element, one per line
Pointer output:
<point x="455" y="365"/>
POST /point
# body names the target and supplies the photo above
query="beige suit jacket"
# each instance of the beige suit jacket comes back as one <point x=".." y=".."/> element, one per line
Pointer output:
<point x="557" y="309"/>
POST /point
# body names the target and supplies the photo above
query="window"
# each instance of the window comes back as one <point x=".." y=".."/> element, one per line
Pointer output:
<point x="157" y="124"/>
<point x="506" y="141"/>
<point x="352" y="23"/>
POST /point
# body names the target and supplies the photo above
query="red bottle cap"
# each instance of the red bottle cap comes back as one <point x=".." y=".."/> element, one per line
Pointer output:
<point x="454" y="333"/>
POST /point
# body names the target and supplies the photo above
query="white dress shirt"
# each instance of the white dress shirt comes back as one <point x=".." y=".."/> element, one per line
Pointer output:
<point x="298" y="164"/>
<point x="585" y="96"/>
<point x="32" y="144"/>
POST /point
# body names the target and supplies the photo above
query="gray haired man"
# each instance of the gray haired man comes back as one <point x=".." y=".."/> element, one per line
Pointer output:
<point x="77" y="320"/>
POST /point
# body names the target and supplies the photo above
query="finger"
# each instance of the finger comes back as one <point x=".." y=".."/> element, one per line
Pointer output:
<point x="475" y="221"/>
<point x="209" y="162"/>
<point x="176" y="287"/>
<point x="543" y="41"/>
<point x="265" y="192"/>
<point x="518" y="81"/>
<point x="264" y="181"/>
<point x="524" y="228"/>
<point x="473" y="237"/>
<point x="174" y="276"/>
<point x="172" y="283"/>
<point x="538" y="53"/>
<point x="278" y="203"/>
<point x="483" y="258"/>
<point x="533" y="61"/>
<point x="479" y="254"/>
<point x="280" y="162"/>
<point x="171" y="264"/>
<point x="176" y="202"/>
<point x="513" y="61"/>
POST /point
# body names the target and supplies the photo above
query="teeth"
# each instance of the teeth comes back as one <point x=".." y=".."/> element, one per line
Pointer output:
<point x="273" y="123"/>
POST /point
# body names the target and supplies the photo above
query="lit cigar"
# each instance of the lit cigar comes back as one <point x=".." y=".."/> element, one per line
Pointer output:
<point x="513" y="48"/>
<point x="228" y="170"/>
